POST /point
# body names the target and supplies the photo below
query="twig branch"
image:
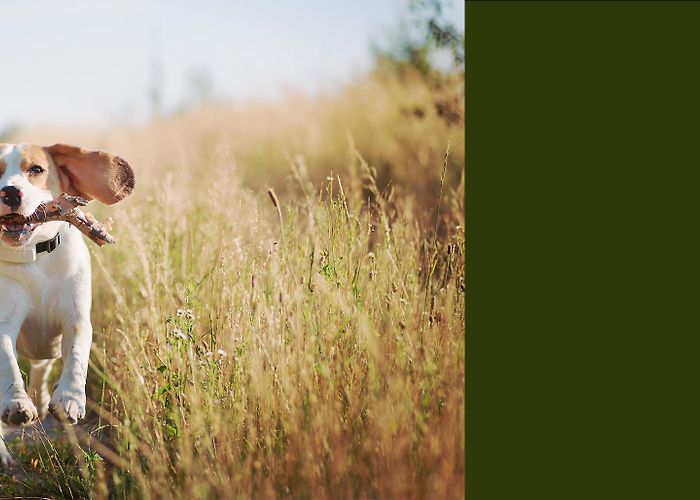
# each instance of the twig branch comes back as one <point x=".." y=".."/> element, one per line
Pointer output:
<point x="64" y="208"/>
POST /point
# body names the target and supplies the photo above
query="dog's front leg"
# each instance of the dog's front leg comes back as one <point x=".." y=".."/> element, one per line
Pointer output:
<point x="16" y="407"/>
<point x="68" y="400"/>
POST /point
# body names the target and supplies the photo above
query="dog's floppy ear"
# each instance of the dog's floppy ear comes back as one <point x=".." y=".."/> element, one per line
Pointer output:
<point x="92" y="174"/>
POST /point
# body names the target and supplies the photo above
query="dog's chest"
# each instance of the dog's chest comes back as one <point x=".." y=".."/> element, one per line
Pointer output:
<point x="57" y="287"/>
<point x="40" y="334"/>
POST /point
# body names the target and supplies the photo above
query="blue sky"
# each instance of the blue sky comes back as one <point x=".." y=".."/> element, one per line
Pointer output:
<point x="91" y="62"/>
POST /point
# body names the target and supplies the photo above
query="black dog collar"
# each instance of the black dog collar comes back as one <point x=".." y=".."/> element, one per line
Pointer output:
<point x="49" y="246"/>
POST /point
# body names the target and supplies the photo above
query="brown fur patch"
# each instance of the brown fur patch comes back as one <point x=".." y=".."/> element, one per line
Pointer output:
<point x="92" y="174"/>
<point x="35" y="155"/>
<point x="31" y="155"/>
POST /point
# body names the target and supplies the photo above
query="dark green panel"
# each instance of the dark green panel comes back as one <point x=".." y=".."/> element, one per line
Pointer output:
<point x="582" y="158"/>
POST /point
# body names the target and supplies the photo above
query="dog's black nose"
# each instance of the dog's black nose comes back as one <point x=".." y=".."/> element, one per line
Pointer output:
<point x="11" y="196"/>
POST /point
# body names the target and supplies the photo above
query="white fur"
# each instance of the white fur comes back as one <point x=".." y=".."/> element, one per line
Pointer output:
<point x="44" y="314"/>
<point x="14" y="176"/>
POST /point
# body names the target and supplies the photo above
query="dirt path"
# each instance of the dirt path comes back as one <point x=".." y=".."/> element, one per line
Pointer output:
<point x="47" y="428"/>
<point x="44" y="434"/>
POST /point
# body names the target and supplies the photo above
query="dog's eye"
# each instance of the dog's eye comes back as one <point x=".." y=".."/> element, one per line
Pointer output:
<point x="36" y="170"/>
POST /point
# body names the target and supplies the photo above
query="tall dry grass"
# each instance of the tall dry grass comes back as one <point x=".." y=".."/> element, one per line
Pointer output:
<point x="306" y="342"/>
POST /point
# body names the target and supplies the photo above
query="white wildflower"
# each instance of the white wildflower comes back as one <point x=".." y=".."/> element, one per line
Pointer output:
<point x="188" y="313"/>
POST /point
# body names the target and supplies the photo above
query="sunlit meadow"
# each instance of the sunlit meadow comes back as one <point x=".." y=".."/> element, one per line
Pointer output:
<point x="283" y="312"/>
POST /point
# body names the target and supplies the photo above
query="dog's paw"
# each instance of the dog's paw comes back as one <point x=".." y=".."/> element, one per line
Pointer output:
<point x="6" y="460"/>
<point x="19" y="410"/>
<point x="67" y="405"/>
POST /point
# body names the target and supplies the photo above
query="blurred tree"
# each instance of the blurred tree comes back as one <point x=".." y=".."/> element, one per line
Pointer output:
<point x="431" y="46"/>
<point x="200" y="87"/>
<point x="199" y="91"/>
<point x="155" y="94"/>
<point x="156" y="72"/>
<point x="424" y="39"/>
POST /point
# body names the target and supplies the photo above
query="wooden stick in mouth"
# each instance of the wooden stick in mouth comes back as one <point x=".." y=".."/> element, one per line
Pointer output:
<point x="64" y="208"/>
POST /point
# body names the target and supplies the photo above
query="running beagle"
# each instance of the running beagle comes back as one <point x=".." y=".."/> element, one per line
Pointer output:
<point x="45" y="278"/>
